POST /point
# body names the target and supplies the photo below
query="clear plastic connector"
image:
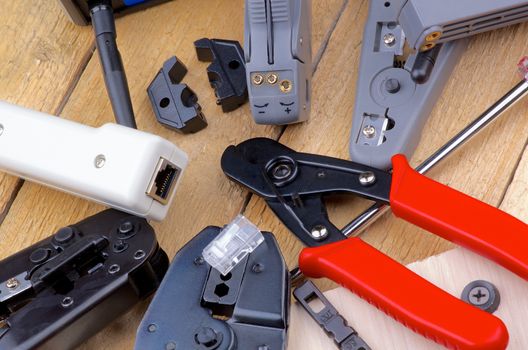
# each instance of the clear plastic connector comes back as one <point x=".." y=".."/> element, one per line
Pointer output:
<point x="234" y="243"/>
<point x="523" y="67"/>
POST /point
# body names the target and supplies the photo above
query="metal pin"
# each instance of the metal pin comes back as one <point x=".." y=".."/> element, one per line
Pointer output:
<point x="319" y="232"/>
<point x="367" y="178"/>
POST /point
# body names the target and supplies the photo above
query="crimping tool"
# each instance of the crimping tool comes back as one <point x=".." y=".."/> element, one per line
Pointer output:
<point x="197" y="307"/>
<point x="65" y="288"/>
<point x="278" y="54"/>
<point x="396" y="90"/>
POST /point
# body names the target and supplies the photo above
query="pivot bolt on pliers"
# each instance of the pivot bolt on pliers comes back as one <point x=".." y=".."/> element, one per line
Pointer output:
<point x="294" y="186"/>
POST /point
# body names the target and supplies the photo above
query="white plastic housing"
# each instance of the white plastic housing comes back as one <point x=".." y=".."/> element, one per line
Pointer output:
<point x="112" y="165"/>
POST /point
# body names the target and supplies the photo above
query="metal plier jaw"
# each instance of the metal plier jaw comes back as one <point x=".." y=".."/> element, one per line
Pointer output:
<point x="278" y="56"/>
<point x="198" y="308"/>
<point x="394" y="95"/>
<point x="65" y="288"/>
<point x="295" y="184"/>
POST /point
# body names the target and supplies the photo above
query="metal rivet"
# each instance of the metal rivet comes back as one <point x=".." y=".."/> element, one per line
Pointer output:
<point x="114" y="268"/>
<point x="319" y="232"/>
<point x="67" y="302"/>
<point x="392" y="85"/>
<point x="483" y="295"/>
<point x="126" y="227"/>
<point x="367" y="178"/>
<point x="170" y="346"/>
<point x="272" y="78"/>
<point x="100" y="161"/>
<point x="257" y="268"/>
<point x="206" y="336"/>
<point x="369" y="131"/>
<point x="281" y="171"/>
<point x="152" y="328"/>
<point x="12" y="283"/>
<point x="258" y="79"/>
<point x="139" y="254"/>
<point x="199" y="261"/>
<point x="321" y="174"/>
<point x="389" y="39"/>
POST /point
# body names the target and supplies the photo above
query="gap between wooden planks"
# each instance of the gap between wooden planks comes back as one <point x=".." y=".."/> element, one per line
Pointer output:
<point x="146" y="40"/>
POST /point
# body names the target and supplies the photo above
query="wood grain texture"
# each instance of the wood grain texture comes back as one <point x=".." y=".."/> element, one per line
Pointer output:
<point x="451" y="271"/>
<point x="41" y="55"/>
<point x="205" y="197"/>
<point x="482" y="168"/>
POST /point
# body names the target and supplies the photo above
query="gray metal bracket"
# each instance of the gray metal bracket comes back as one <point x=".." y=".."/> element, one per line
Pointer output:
<point x="391" y="108"/>
<point x="278" y="54"/>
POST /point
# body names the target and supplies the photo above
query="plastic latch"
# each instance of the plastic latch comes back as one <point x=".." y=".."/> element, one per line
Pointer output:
<point x="238" y="239"/>
<point x="523" y="67"/>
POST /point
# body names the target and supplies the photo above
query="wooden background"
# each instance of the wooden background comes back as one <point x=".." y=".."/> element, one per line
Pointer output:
<point x="49" y="64"/>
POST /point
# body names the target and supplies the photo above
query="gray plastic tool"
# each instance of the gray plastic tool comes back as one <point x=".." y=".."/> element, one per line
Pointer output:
<point x="427" y="23"/>
<point x="278" y="54"/>
<point x="198" y="308"/>
<point x="391" y="107"/>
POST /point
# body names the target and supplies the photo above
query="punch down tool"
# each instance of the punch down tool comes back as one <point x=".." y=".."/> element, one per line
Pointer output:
<point x="397" y="87"/>
<point x="278" y="54"/>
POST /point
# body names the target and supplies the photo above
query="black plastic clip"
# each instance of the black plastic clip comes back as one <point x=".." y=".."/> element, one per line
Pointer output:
<point x="198" y="308"/>
<point x="328" y="318"/>
<point x="227" y="72"/>
<point x="175" y="105"/>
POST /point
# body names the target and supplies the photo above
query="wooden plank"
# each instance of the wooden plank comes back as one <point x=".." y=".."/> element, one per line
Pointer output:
<point x="516" y="199"/>
<point x="206" y="197"/>
<point x="42" y="55"/>
<point x="451" y="271"/>
<point x="481" y="169"/>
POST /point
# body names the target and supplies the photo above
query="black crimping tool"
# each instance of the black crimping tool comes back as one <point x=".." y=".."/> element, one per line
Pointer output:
<point x="197" y="307"/>
<point x="65" y="288"/>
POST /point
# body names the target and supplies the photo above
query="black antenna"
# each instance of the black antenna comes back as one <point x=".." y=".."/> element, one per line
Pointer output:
<point x="103" y="24"/>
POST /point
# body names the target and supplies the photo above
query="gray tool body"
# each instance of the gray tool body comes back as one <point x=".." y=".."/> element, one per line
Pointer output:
<point x="427" y="23"/>
<point x="198" y="308"/>
<point x="278" y="56"/>
<point x="391" y="108"/>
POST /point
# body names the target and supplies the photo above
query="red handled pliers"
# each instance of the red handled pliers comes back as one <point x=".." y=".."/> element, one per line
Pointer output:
<point x="294" y="186"/>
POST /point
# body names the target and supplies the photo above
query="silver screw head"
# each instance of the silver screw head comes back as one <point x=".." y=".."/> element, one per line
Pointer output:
<point x="100" y="161"/>
<point x="389" y="39"/>
<point x="367" y="178"/>
<point x="12" y="283"/>
<point x="369" y="131"/>
<point x="319" y="232"/>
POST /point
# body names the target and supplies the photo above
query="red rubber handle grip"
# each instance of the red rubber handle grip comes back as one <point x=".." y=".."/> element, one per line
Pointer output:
<point x="405" y="296"/>
<point x="459" y="218"/>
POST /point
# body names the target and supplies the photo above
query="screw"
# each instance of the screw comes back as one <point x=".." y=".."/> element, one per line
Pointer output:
<point x="367" y="178"/>
<point x="257" y="268"/>
<point x="12" y="283"/>
<point x="319" y="232"/>
<point x="272" y="78"/>
<point x="258" y="79"/>
<point x="483" y="295"/>
<point x="285" y="86"/>
<point x="281" y="171"/>
<point x="67" y="302"/>
<point x="206" y="336"/>
<point x="199" y="261"/>
<point x="100" y="161"/>
<point x="1" y="129"/>
<point x="139" y="254"/>
<point x="369" y="131"/>
<point x="152" y="328"/>
<point x="389" y="39"/>
<point x="392" y="85"/>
